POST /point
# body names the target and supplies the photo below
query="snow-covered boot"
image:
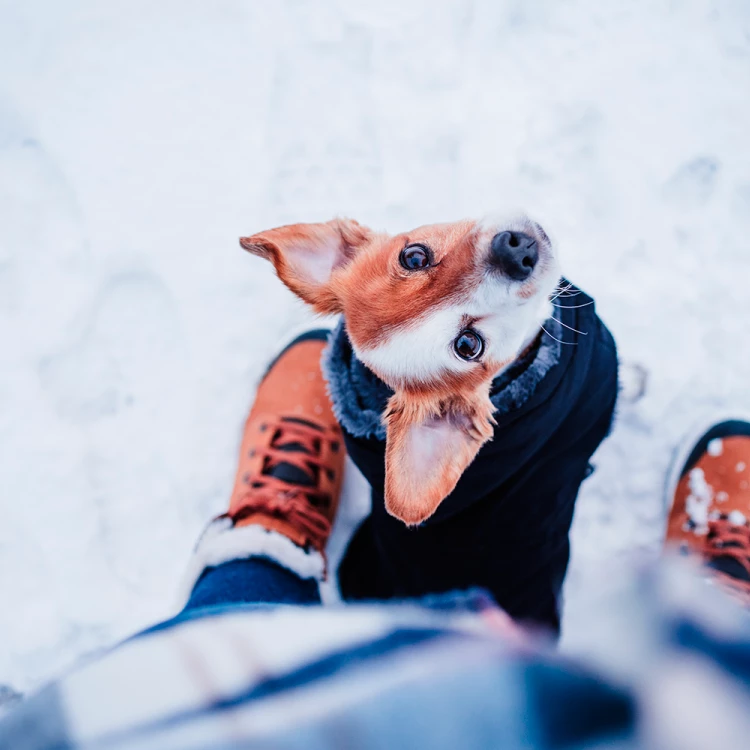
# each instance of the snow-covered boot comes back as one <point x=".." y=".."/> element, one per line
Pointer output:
<point x="710" y="504"/>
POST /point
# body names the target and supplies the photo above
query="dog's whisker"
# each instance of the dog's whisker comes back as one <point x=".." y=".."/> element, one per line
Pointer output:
<point x="573" y="307"/>
<point x="562" y="288"/>
<point x="570" y="328"/>
<point x="567" y="343"/>
<point x="564" y="293"/>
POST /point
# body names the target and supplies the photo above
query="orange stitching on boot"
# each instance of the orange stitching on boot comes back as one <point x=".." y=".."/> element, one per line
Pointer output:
<point x="298" y="444"/>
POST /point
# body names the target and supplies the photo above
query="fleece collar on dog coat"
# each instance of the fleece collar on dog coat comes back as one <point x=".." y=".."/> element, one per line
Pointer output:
<point x="359" y="397"/>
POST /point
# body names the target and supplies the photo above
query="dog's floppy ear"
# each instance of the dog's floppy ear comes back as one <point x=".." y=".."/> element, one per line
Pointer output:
<point x="306" y="255"/>
<point x="429" y="444"/>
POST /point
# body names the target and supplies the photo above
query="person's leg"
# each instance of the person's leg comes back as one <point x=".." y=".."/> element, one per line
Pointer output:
<point x="269" y="547"/>
<point x="664" y="663"/>
<point x="256" y="580"/>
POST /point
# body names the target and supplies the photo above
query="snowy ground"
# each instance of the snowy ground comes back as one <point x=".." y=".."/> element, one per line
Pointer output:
<point x="138" y="140"/>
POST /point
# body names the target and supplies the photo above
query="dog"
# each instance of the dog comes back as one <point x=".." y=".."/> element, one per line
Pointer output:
<point x="437" y="313"/>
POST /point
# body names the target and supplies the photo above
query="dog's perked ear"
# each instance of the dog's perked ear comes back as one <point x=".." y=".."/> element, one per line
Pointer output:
<point x="306" y="256"/>
<point x="429" y="445"/>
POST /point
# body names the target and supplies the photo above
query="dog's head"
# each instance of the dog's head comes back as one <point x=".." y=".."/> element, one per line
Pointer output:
<point x="436" y="313"/>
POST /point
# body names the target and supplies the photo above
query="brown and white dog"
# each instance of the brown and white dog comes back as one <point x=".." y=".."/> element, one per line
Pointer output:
<point x="436" y="313"/>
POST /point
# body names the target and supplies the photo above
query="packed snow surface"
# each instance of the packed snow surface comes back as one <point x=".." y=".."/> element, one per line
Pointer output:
<point x="139" y="140"/>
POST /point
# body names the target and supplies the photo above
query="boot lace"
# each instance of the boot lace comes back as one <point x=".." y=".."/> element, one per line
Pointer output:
<point x="727" y="541"/>
<point x="296" y="444"/>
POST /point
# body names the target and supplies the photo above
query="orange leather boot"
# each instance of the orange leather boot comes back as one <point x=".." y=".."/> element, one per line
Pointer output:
<point x="289" y="474"/>
<point x="708" y="518"/>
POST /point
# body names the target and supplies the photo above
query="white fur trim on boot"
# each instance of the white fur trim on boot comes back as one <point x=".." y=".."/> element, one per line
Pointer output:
<point x="221" y="542"/>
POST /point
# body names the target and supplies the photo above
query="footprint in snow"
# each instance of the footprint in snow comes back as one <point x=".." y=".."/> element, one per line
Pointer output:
<point x="694" y="182"/>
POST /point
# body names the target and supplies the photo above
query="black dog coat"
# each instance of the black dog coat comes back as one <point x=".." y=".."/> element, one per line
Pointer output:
<point x="505" y="526"/>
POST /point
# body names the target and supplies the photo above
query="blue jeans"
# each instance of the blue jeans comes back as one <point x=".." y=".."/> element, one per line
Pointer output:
<point x="569" y="704"/>
<point x="256" y="582"/>
<point x="253" y="581"/>
<point x="674" y="661"/>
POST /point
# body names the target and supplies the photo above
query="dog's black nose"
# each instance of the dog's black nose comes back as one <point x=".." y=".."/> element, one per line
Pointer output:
<point x="515" y="254"/>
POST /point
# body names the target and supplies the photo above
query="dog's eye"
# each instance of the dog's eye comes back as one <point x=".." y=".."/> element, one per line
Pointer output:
<point x="468" y="345"/>
<point x="415" y="257"/>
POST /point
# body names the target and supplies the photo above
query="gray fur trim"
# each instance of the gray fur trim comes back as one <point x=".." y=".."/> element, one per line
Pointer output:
<point x="359" y="397"/>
